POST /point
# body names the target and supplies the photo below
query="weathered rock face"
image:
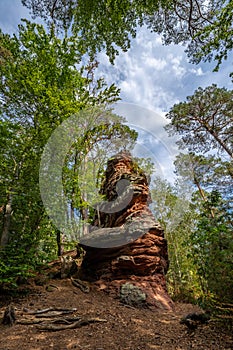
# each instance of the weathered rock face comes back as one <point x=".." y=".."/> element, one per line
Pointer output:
<point x="126" y="246"/>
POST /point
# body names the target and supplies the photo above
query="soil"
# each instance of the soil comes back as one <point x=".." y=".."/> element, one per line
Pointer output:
<point x="126" y="328"/>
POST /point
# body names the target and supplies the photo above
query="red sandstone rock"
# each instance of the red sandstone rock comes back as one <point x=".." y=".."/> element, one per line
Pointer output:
<point x="127" y="245"/>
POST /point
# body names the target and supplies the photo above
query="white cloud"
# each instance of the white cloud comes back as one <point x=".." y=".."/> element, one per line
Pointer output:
<point x="197" y="71"/>
<point x="157" y="64"/>
<point x="177" y="65"/>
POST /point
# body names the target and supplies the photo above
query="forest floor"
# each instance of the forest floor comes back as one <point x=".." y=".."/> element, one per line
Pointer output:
<point x="124" y="327"/>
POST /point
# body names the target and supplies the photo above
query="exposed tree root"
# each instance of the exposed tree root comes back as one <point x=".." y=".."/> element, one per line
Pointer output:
<point x="66" y="320"/>
<point x="83" y="286"/>
<point x="59" y="310"/>
<point x="47" y="320"/>
<point x="77" y="324"/>
<point x="9" y="316"/>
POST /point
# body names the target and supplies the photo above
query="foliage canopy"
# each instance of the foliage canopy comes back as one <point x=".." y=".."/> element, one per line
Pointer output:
<point x="111" y="24"/>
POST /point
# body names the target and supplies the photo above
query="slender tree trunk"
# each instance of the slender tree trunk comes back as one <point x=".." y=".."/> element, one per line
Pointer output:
<point x="202" y="193"/>
<point x="6" y="223"/>
<point x="74" y="188"/>
<point x="84" y="213"/>
<point x="59" y="245"/>
<point x="85" y="210"/>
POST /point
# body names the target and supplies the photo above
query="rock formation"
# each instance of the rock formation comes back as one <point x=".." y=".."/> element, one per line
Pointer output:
<point x="126" y="252"/>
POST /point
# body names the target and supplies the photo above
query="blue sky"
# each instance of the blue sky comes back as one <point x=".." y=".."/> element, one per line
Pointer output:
<point x="152" y="77"/>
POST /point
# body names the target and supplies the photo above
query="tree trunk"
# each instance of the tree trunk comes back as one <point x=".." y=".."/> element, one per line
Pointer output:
<point x="60" y="249"/>
<point x="6" y="223"/>
<point x="202" y="193"/>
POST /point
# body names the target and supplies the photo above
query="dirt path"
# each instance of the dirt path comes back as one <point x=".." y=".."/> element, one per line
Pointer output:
<point x="125" y="328"/>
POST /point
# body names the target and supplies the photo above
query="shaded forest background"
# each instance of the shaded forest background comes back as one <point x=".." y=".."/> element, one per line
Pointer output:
<point x="44" y="82"/>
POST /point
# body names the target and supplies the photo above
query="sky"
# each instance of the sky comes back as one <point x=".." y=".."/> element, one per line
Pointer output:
<point x="152" y="78"/>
